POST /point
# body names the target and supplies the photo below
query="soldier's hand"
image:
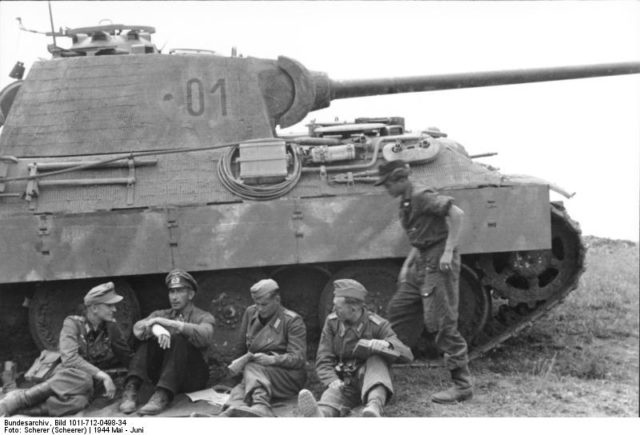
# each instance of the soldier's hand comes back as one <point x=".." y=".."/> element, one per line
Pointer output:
<point x="337" y="384"/>
<point x="164" y="341"/>
<point x="445" y="261"/>
<point x="378" y="346"/>
<point x="264" y="359"/>
<point x="109" y="386"/>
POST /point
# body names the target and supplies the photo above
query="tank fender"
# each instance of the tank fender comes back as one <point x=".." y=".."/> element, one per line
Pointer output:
<point x="528" y="179"/>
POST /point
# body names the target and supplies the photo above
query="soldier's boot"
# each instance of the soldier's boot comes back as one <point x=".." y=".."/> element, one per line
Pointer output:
<point x="261" y="406"/>
<point x="158" y="402"/>
<point x="308" y="407"/>
<point x="28" y="398"/>
<point x="130" y="395"/>
<point x="376" y="400"/>
<point x="462" y="388"/>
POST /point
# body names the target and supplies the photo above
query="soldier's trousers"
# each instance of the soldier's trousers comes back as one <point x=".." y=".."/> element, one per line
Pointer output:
<point x="375" y="371"/>
<point x="181" y="368"/>
<point x="436" y="294"/>
<point x="72" y="390"/>
<point x="279" y="383"/>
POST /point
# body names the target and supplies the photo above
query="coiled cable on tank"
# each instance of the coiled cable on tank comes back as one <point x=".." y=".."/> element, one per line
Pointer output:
<point x="258" y="193"/>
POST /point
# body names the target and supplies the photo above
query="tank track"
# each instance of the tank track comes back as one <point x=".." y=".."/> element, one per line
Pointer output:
<point x="514" y="320"/>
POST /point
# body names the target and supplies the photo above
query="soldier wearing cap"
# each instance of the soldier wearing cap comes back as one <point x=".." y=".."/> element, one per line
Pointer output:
<point x="351" y="380"/>
<point x="276" y="340"/>
<point x="429" y="277"/>
<point x="89" y="344"/>
<point x="173" y="348"/>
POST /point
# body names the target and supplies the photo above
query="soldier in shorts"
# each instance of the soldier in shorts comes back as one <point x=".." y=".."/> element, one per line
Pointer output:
<point x="430" y="275"/>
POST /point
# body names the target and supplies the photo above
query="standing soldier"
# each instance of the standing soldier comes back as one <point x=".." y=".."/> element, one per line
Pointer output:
<point x="174" y="348"/>
<point x="88" y="344"/>
<point x="273" y="340"/>
<point x="430" y="274"/>
<point x="350" y="379"/>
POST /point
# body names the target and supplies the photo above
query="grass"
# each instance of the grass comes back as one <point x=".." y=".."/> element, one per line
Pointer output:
<point x="579" y="360"/>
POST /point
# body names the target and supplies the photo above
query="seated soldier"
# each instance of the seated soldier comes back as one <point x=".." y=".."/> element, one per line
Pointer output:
<point x="274" y="340"/>
<point x="173" y="351"/>
<point x="88" y="344"/>
<point x="352" y="380"/>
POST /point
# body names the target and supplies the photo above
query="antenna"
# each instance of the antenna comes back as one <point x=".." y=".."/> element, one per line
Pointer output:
<point x="53" y="31"/>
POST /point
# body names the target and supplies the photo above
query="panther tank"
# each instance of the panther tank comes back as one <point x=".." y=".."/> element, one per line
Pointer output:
<point x="119" y="162"/>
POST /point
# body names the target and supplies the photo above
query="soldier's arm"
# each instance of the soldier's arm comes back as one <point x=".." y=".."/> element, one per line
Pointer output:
<point x="199" y="334"/>
<point x="326" y="360"/>
<point x="69" y="345"/>
<point x="454" y="221"/>
<point x="142" y="328"/>
<point x="387" y="334"/>
<point x="296" y="354"/>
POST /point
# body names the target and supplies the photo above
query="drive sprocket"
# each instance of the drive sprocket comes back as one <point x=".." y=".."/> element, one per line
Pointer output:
<point x="534" y="276"/>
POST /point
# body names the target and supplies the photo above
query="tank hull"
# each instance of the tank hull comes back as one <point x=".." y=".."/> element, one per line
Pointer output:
<point x="113" y="243"/>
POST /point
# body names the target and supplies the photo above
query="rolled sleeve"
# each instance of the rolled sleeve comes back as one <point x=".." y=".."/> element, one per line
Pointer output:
<point x="69" y="345"/>
<point x="435" y="204"/>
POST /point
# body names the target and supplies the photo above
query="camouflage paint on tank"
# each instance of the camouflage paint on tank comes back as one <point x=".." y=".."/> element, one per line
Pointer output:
<point x="225" y="236"/>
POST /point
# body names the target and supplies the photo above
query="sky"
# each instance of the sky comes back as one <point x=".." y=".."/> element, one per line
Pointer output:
<point x="583" y="135"/>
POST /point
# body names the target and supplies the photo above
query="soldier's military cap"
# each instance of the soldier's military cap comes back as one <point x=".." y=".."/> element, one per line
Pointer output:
<point x="387" y="169"/>
<point x="349" y="288"/>
<point x="178" y="278"/>
<point x="102" y="294"/>
<point x="263" y="287"/>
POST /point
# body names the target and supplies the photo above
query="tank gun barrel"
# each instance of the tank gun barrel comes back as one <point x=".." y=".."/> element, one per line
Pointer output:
<point x="398" y="85"/>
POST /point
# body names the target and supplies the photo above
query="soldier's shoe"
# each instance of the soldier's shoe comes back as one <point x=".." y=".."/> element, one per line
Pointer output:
<point x="12" y="402"/>
<point x="452" y="395"/>
<point x="130" y="396"/>
<point x="462" y="388"/>
<point x="255" y="410"/>
<point x="158" y="402"/>
<point x="373" y="409"/>
<point x="307" y="405"/>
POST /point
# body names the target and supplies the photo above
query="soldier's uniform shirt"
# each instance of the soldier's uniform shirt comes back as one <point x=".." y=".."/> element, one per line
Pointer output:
<point x="423" y="217"/>
<point x="92" y="350"/>
<point x="84" y="352"/>
<point x="337" y="343"/>
<point x="183" y="367"/>
<point x="283" y="335"/>
<point x="195" y="327"/>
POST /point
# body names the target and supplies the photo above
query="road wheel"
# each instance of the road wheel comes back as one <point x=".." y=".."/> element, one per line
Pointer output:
<point x="53" y="301"/>
<point x="380" y="280"/>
